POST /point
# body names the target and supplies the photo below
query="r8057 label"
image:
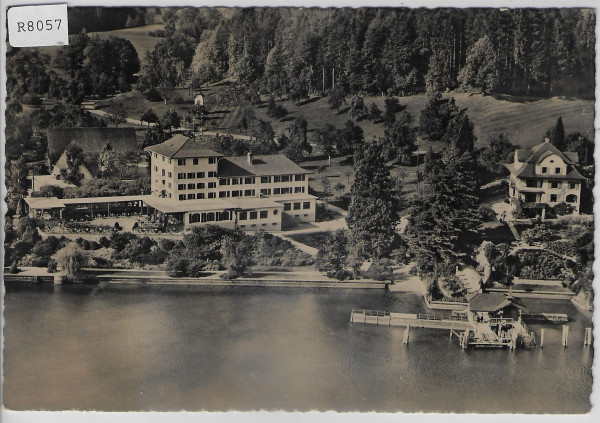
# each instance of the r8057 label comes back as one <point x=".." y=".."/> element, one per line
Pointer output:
<point x="39" y="25"/>
<point x="36" y="26"/>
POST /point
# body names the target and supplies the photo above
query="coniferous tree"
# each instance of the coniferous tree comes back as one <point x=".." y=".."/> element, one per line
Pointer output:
<point x="459" y="137"/>
<point x="373" y="212"/>
<point x="557" y="134"/>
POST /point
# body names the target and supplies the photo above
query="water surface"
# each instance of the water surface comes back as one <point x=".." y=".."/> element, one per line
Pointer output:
<point x="268" y="348"/>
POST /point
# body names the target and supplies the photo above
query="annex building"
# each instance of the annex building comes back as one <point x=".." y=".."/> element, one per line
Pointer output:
<point x="543" y="177"/>
<point x="199" y="186"/>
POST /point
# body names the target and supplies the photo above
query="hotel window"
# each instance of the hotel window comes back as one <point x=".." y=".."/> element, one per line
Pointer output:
<point x="212" y="174"/>
<point x="264" y="214"/>
<point x="170" y="175"/>
<point x="553" y="198"/>
<point x="248" y="181"/>
<point x="212" y="160"/>
<point x="253" y="215"/>
<point x="287" y="206"/>
<point x="572" y="185"/>
<point x="191" y="175"/>
<point x="300" y="178"/>
<point x="544" y="170"/>
<point x="285" y="178"/>
<point x="306" y="205"/>
<point x="557" y="170"/>
<point x="191" y="196"/>
<point x="223" y="181"/>
<point x="243" y="215"/>
<point x="265" y="191"/>
<point x="163" y="157"/>
<point x="170" y="161"/>
<point x="276" y="178"/>
<point x="224" y="194"/>
<point x="265" y="179"/>
<point x="181" y="187"/>
<point x="298" y="189"/>
<point x="555" y="184"/>
<point x="296" y="206"/>
<point x="181" y="176"/>
<point x="195" y="161"/>
<point x="169" y="195"/>
<point x="181" y="162"/>
<point x="212" y="184"/>
<point x="276" y="191"/>
<point x="163" y="172"/>
<point x="182" y="196"/>
<point x="200" y="185"/>
<point x="191" y="186"/>
<point x="156" y="168"/>
<point x="155" y="156"/>
<point x="249" y="193"/>
<point x="163" y="181"/>
<point x="200" y="196"/>
<point x="212" y="195"/>
<point x="236" y="193"/>
<point x="169" y="185"/>
<point x="287" y="190"/>
<point x="199" y="174"/>
<point x="234" y="181"/>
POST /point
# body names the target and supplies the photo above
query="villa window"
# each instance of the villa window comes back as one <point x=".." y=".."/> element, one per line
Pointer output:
<point x="163" y="157"/>
<point x="212" y="160"/>
<point x="544" y="170"/>
<point x="195" y="161"/>
<point x="265" y="179"/>
<point x="156" y="168"/>
<point x="572" y="185"/>
<point x="169" y="185"/>
<point x="199" y="174"/>
<point x="264" y="214"/>
<point x="555" y="184"/>
<point x="163" y="181"/>
<point x="181" y="162"/>
<point x="170" y="175"/>
<point x="155" y="156"/>
<point x="163" y="172"/>
<point x="553" y="198"/>
<point x="557" y="170"/>
<point x="306" y="205"/>
<point x="253" y="215"/>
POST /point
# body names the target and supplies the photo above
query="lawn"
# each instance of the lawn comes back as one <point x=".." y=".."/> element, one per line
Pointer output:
<point x="315" y="240"/>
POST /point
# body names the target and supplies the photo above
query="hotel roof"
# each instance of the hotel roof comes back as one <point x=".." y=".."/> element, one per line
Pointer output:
<point x="272" y="164"/>
<point x="180" y="147"/>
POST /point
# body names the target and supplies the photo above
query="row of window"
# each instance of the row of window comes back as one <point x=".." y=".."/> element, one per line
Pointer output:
<point x="238" y="193"/>
<point x="197" y="196"/>
<point x="237" y="181"/>
<point x="288" y="206"/>
<point x="282" y="178"/>
<point x="556" y="170"/>
<point x="196" y="175"/>
<point x="281" y="191"/>
<point x="199" y="185"/>
<point x="195" y="162"/>
<point x="569" y="199"/>
<point x="253" y="215"/>
<point x="209" y="217"/>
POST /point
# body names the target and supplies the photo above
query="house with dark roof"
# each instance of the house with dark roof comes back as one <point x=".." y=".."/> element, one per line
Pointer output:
<point x="486" y="305"/>
<point x="199" y="186"/>
<point x="543" y="177"/>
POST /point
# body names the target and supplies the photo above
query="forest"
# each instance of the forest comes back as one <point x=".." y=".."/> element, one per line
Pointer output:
<point x="527" y="52"/>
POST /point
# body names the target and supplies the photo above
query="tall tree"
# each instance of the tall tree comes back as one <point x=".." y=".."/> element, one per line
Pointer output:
<point x="557" y="134"/>
<point x="480" y="70"/>
<point x="373" y="212"/>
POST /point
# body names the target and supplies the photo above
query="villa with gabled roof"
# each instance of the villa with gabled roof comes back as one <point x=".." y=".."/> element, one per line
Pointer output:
<point x="543" y="177"/>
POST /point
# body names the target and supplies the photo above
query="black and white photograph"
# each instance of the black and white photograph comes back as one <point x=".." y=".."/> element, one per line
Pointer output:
<point x="348" y="209"/>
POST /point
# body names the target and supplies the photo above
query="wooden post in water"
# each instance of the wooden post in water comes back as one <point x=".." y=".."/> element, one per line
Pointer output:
<point x="406" y="334"/>
<point x="587" y="340"/>
<point x="542" y="338"/>
<point x="565" y="335"/>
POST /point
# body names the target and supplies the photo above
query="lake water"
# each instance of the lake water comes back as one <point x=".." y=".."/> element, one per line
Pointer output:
<point x="154" y="348"/>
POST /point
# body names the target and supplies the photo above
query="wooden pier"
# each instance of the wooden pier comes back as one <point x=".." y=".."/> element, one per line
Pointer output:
<point x="384" y="318"/>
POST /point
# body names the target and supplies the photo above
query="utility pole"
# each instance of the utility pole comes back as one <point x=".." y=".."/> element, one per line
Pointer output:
<point x="323" y="78"/>
<point x="333" y="77"/>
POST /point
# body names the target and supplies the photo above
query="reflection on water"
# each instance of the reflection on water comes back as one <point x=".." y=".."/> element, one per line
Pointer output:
<point x="264" y="348"/>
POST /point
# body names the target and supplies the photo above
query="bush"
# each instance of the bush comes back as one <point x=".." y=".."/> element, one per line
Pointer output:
<point x="487" y="214"/>
<point x="52" y="266"/>
<point x="340" y="275"/>
<point x="381" y="270"/>
<point x="539" y="233"/>
<point x="153" y="95"/>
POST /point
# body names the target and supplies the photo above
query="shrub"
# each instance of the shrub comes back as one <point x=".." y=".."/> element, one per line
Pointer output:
<point x="381" y="270"/>
<point x="14" y="269"/>
<point x="563" y="209"/>
<point x="52" y="266"/>
<point x="487" y="214"/>
<point x="539" y="233"/>
<point x="71" y="260"/>
<point x="153" y="95"/>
